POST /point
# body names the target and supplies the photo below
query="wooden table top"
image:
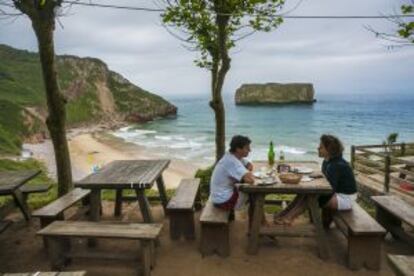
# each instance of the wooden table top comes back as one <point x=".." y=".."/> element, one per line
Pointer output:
<point x="124" y="174"/>
<point x="316" y="186"/>
<point x="11" y="180"/>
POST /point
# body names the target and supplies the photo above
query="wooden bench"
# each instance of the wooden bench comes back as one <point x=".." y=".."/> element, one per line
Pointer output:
<point x="33" y="189"/>
<point x="49" y="273"/>
<point x="59" y="232"/>
<point x="215" y="233"/>
<point x="181" y="209"/>
<point x="55" y="210"/>
<point x="364" y="235"/>
<point x="402" y="265"/>
<point x="391" y="212"/>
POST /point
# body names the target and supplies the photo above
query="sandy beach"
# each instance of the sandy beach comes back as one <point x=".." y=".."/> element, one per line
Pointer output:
<point x="100" y="148"/>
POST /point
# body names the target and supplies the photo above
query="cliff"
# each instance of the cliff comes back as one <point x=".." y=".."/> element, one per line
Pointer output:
<point x="275" y="93"/>
<point x="95" y="95"/>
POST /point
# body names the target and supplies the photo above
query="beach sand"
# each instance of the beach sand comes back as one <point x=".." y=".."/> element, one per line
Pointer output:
<point x="88" y="149"/>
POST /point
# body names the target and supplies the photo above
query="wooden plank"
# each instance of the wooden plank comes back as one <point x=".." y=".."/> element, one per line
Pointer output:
<point x="185" y="195"/>
<point x="125" y="174"/>
<point x="360" y="222"/>
<point x="212" y="214"/>
<point x="303" y="231"/>
<point x="29" y="189"/>
<point x="397" y="207"/>
<point x="62" y="203"/>
<point x="317" y="186"/>
<point x="89" y="229"/>
<point x="402" y="265"/>
<point x="72" y="273"/>
<point x="11" y="180"/>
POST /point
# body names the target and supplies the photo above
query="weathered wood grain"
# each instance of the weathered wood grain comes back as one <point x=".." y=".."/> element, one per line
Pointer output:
<point x="402" y="265"/>
<point x="124" y="174"/>
<point x="397" y="207"/>
<point x="59" y="205"/>
<point x="11" y="180"/>
<point x="89" y="229"/>
<point x="185" y="195"/>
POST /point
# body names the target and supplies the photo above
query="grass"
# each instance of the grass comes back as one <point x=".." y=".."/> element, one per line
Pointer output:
<point x="35" y="200"/>
<point x="21" y="85"/>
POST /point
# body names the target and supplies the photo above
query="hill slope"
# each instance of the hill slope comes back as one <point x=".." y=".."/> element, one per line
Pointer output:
<point x="94" y="93"/>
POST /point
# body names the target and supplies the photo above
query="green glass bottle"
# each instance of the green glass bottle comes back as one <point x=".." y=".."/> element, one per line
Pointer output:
<point x="271" y="155"/>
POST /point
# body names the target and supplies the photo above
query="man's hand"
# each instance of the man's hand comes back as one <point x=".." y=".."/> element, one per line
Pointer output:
<point x="249" y="166"/>
<point x="248" y="178"/>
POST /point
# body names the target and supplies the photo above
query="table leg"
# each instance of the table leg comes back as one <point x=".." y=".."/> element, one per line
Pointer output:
<point x="21" y="203"/>
<point x="163" y="193"/>
<point x="118" y="203"/>
<point x="253" y="241"/>
<point x="313" y="206"/>
<point x="144" y="206"/>
<point x="95" y="210"/>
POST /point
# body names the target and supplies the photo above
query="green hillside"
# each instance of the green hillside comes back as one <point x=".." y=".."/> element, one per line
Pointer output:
<point x="94" y="93"/>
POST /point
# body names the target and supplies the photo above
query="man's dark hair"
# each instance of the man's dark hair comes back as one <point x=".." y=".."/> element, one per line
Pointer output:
<point x="333" y="145"/>
<point x="238" y="142"/>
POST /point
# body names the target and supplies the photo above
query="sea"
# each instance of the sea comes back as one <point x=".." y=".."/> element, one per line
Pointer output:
<point x="294" y="129"/>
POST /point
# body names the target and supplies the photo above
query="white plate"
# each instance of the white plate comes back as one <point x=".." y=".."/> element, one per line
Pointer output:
<point x="304" y="170"/>
<point x="258" y="174"/>
<point x="306" y="179"/>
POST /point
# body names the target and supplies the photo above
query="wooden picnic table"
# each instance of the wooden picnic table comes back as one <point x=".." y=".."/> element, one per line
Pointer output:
<point x="10" y="183"/>
<point x="138" y="175"/>
<point x="312" y="190"/>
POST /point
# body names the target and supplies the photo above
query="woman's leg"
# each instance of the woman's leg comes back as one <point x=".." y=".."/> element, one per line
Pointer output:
<point x="294" y="212"/>
<point x="328" y="211"/>
<point x="291" y="205"/>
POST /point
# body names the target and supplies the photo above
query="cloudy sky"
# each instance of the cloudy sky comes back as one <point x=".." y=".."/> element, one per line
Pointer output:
<point x="337" y="56"/>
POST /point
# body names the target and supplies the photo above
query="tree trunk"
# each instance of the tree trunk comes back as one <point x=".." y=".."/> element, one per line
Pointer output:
<point x="221" y="66"/>
<point x="56" y="120"/>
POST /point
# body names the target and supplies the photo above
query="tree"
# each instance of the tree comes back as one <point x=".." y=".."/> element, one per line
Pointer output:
<point x="404" y="33"/>
<point x="213" y="27"/>
<point x="42" y="14"/>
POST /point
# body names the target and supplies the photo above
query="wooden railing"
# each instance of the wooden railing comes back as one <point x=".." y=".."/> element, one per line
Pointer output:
<point x="389" y="159"/>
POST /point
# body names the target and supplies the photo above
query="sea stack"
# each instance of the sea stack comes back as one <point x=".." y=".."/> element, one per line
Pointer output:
<point x="275" y="93"/>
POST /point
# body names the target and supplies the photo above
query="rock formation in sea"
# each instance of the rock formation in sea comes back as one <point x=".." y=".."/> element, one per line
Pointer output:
<point x="275" y="93"/>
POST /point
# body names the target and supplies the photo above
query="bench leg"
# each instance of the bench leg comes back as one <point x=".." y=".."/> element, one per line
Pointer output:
<point x="147" y="250"/>
<point x="118" y="203"/>
<point x="182" y="223"/>
<point x="215" y="238"/>
<point x="45" y="221"/>
<point x="364" y="250"/>
<point x="387" y="220"/>
<point x="57" y="248"/>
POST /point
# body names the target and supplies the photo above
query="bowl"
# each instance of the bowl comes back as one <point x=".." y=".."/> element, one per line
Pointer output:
<point x="290" y="178"/>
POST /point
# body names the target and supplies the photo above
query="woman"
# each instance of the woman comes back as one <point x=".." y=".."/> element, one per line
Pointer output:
<point x="339" y="175"/>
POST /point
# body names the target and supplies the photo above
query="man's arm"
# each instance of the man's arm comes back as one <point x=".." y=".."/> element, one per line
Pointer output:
<point x="247" y="164"/>
<point x="248" y="178"/>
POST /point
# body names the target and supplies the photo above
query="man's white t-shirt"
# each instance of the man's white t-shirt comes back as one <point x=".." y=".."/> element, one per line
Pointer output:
<point x="228" y="171"/>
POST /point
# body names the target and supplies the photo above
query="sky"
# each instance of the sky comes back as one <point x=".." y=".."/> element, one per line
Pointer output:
<point x="338" y="56"/>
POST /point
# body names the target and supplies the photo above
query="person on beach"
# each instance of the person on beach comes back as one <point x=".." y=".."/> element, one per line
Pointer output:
<point x="232" y="168"/>
<point x="339" y="175"/>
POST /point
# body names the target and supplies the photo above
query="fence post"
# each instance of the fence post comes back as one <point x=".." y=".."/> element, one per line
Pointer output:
<point x="387" y="170"/>
<point x="402" y="149"/>
<point x="352" y="156"/>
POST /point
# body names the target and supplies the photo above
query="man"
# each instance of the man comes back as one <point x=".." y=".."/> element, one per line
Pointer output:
<point x="232" y="168"/>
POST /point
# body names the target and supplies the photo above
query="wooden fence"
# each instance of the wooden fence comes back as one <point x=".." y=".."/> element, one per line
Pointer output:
<point x="390" y="166"/>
